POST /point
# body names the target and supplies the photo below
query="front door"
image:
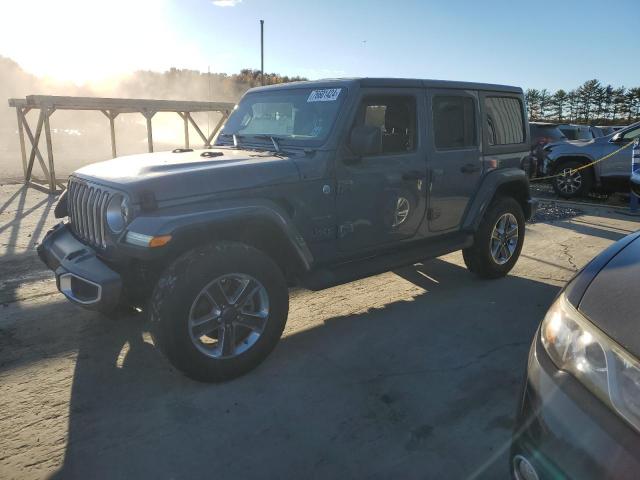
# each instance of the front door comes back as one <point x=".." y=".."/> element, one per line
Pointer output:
<point x="381" y="198"/>
<point x="619" y="166"/>
<point x="455" y="158"/>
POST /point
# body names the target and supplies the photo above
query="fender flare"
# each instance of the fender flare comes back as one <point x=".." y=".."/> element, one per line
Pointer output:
<point x="184" y="221"/>
<point x="493" y="182"/>
<point x="573" y="156"/>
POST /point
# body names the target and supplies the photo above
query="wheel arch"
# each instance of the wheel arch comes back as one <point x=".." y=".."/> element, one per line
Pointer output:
<point x="512" y="182"/>
<point x="264" y="227"/>
<point x="583" y="159"/>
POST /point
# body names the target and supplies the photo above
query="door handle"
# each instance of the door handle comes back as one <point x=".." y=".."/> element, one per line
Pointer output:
<point x="470" y="168"/>
<point x="414" y="175"/>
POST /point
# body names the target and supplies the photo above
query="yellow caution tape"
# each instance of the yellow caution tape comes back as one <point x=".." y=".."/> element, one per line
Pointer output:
<point x="571" y="172"/>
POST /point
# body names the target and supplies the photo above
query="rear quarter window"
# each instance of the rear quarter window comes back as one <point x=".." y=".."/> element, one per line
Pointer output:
<point x="505" y="120"/>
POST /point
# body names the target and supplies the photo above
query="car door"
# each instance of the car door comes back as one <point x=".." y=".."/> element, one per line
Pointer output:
<point x="455" y="157"/>
<point x="619" y="165"/>
<point x="381" y="198"/>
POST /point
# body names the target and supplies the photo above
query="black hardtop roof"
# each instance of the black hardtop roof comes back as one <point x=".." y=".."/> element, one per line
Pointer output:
<point x="393" y="83"/>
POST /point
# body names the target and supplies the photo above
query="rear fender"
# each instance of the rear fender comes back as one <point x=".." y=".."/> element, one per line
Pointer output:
<point x="505" y="181"/>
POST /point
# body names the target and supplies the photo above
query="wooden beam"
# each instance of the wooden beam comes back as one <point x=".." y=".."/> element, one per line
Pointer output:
<point x="195" y="125"/>
<point x="225" y="115"/>
<point x="47" y="135"/>
<point x="35" y="151"/>
<point x="186" y="129"/>
<point x="123" y="105"/>
<point x="23" y="151"/>
<point x="149" y="115"/>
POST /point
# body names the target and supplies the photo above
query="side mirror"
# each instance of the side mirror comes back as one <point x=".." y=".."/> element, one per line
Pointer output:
<point x="616" y="138"/>
<point x="366" y="140"/>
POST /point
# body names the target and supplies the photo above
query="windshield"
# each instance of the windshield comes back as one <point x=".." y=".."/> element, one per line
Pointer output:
<point x="300" y="115"/>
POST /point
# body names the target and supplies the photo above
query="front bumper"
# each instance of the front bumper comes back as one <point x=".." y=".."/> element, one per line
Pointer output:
<point x="564" y="431"/>
<point x="80" y="275"/>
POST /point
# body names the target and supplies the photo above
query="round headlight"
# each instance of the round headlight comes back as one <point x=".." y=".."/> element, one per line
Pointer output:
<point x="117" y="213"/>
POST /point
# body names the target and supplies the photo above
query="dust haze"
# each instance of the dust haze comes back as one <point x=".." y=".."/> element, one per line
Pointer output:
<point x="80" y="138"/>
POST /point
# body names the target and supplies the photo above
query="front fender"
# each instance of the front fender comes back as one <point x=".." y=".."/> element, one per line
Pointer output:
<point x="189" y="220"/>
<point x="513" y="181"/>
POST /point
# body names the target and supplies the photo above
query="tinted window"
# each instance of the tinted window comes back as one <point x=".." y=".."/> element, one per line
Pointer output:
<point x="505" y="122"/>
<point x="570" y="133"/>
<point x="395" y="116"/>
<point x="631" y="134"/>
<point x="545" y="133"/>
<point x="454" y="122"/>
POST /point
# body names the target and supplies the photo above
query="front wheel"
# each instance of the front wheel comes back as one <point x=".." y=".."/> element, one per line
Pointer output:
<point x="498" y="240"/>
<point x="571" y="181"/>
<point x="218" y="311"/>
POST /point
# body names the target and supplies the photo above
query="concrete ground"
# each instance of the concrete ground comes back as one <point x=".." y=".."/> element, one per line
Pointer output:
<point x="408" y="374"/>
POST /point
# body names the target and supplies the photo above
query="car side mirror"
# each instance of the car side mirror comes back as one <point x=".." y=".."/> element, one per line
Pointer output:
<point x="617" y="138"/>
<point x="366" y="140"/>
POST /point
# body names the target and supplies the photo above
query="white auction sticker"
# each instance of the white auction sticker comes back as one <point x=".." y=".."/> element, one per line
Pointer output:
<point x="325" y="95"/>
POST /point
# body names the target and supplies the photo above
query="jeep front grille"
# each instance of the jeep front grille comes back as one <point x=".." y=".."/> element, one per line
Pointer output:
<point x="86" y="204"/>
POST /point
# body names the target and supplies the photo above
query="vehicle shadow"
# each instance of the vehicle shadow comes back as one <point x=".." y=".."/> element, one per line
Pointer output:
<point x="424" y="387"/>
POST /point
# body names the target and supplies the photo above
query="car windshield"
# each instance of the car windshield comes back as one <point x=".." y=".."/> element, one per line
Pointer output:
<point x="297" y="115"/>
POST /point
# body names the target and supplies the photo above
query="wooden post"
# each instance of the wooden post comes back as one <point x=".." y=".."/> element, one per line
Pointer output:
<point x="23" y="152"/>
<point x="47" y="133"/>
<point x="186" y="129"/>
<point x="148" y="115"/>
<point x="35" y="151"/>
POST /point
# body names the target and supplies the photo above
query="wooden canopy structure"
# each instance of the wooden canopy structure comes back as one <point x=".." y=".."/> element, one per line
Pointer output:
<point x="111" y="108"/>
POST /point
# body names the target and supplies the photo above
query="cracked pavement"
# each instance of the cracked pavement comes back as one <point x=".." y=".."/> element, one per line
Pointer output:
<point x="408" y="374"/>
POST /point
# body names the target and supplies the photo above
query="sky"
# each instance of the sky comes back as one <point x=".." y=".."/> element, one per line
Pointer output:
<point x="533" y="44"/>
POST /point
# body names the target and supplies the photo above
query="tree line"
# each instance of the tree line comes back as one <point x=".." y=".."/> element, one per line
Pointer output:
<point x="591" y="103"/>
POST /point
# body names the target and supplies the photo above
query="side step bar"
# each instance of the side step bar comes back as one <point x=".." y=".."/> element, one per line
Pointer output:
<point x="333" y="275"/>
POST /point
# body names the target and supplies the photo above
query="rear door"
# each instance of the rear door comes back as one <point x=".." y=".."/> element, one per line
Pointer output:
<point x="454" y="155"/>
<point x="381" y="198"/>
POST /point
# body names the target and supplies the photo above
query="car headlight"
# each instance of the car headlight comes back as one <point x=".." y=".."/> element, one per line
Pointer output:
<point x="117" y="213"/>
<point x="576" y="346"/>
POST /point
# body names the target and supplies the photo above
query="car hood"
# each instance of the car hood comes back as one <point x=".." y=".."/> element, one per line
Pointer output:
<point x="612" y="300"/>
<point x="172" y="175"/>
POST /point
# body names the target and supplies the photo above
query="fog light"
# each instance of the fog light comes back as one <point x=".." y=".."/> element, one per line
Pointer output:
<point x="523" y="470"/>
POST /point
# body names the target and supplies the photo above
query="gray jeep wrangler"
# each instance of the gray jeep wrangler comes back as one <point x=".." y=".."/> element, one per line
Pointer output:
<point x="311" y="184"/>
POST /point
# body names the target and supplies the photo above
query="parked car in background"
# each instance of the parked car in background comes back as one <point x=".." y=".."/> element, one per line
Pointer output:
<point x="610" y="175"/>
<point x="596" y="132"/>
<point x="541" y="135"/>
<point x="576" y="132"/>
<point x="579" y="414"/>
<point x="610" y="129"/>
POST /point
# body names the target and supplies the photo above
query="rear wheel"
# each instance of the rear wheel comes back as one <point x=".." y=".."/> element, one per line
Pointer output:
<point x="218" y="311"/>
<point x="498" y="240"/>
<point x="571" y="182"/>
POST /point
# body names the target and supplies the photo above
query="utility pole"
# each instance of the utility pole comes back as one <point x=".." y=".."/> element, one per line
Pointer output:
<point x="262" y="52"/>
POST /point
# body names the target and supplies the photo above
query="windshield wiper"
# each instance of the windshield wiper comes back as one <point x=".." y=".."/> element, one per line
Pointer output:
<point x="273" y="139"/>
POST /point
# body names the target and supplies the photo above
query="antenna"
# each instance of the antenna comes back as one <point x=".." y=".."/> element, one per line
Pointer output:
<point x="209" y="87"/>
<point x="262" y="52"/>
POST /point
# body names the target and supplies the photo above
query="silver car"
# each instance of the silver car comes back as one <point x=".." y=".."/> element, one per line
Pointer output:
<point x="612" y="174"/>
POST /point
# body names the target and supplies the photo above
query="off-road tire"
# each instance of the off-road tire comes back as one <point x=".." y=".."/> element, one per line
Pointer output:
<point x="586" y="180"/>
<point x="178" y="287"/>
<point x="478" y="258"/>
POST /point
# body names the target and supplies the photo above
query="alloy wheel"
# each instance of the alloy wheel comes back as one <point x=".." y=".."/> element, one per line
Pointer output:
<point x="229" y="315"/>
<point x="504" y="238"/>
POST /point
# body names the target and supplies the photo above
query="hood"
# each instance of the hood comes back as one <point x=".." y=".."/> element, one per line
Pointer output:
<point x="172" y="175"/>
<point x="571" y="144"/>
<point x="612" y="301"/>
